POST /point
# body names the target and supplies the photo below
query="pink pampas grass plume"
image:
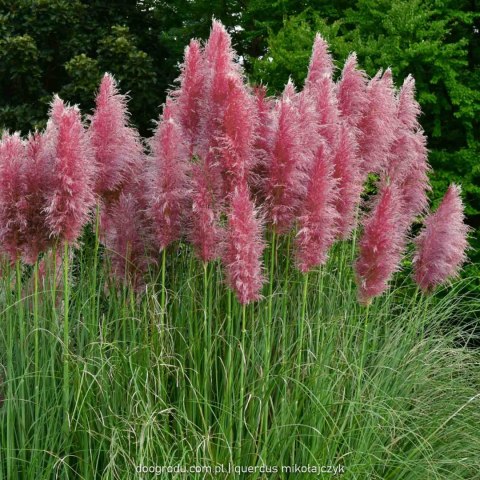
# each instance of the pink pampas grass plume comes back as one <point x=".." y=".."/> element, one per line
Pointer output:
<point x="349" y="180"/>
<point x="71" y="198"/>
<point x="115" y="144"/>
<point x="129" y="244"/>
<point x="219" y="66"/>
<point x="381" y="245"/>
<point x="408" y="135"/>
<point x="408" y="163"/>
<point x="236" y="142"/>
<point x="205" y="233"/>
<point x="126" y="240"/>
<point x="243" y="248"/>
<point x="188" y="96"/>
<point x="321" y="63"/>
<point x="12" y="202"/>
<point x="38" y="183"/>
<point x="408" y="109"/>
<point x="287" y="178"/>
<point x="318" y="215"/>
<point x="263" y="142"/>
<point x="168" y="181"/>
<point x="442" y="243"/>
<point x="320" y="89"/>
<point x="378" y="124"/>
<point x="352" y="92"/>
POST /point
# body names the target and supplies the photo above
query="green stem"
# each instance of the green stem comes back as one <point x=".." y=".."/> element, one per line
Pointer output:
<point x="267" y="343"/>
<point x="364" y="349"/>
<point x="242" y="381"/>
<point x="36" y="340"/>
<point x="302" y="321"/>
<point x="206" y="346"/>
<point x="66" y="373"/>
<point x="22" y="345"/>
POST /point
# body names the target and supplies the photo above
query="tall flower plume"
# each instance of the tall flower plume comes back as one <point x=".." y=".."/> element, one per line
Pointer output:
<point x="244" y="247"/>
<point x="219" y="66"/>
<point x="205" y="233"/>
<point x="381" y="245"/>
<point x="38" y="182"/>
<point x="407" y="162"/>
<point x="237" y="139"/>
<point x="287" y="178"/>
<point x="318" y="216"/>
<point x="263" y="142"/>
<point x="129" y="243"/>
<point x="12" y="219"/>
<point x="115" y="144"/>
<point x="168" y="180"/>
<point x="352" y="92"/>
<point x="442" y="244"/>
<point x="349" y="179"/>
<point x="319" y="86"/>
<point x="71" y="198"/>
<point x="189" y="95"/>
<point x="377" y="125"/>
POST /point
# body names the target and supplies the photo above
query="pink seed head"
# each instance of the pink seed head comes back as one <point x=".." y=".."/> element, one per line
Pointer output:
<point x="349" y="179"/>
<point x="442" y="244"/>
<point x="381" y="245"/>
<point x="116" y="145"/>
<point x="352" y="92"/>
<point x="12" y="199"/>
<point x="243" y="247"/>
<point x="70" y="201"/>
<point x="168" y="181"/>
<point x="318" y="215"/>
<point x="378" y="124"/>
<point x="286" y="182"/>
<point x="190" y="93"/>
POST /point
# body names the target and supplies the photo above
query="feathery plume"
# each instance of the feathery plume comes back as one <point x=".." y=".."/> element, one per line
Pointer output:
<point x="243" y="247"/>
<point x="408" y="109"/>
<point x="219" y="66"/>
<point x="205" y="233"/>
<point x="381" y="245"/>
<point x="71" y="198"/>
<point x="318" y="216"/>
<point x="408" y="158"/>
<point x="126" y="242"/>
<point x="235" y="148"/>
<point x="12" y="201"/>
<point x="115" y="144"/>
<point x="287" y="177"/>
<point x="378" y="124"/>
<point x="38" y="181"/>
<point x="442" y="243"/>
<point x="349" y="180"/>
<point x="168" y="181"/>
<point x="189" y="95"/>
<point x="263" y="142"/>
<point x="320" y="90"/>
<point x="130" y="243"/>
<point x="321" y="63"/>
<point x="352" y="92"/>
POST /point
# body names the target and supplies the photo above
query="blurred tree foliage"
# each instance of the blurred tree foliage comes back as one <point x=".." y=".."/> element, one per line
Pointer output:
<point x="64" y="46"/>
